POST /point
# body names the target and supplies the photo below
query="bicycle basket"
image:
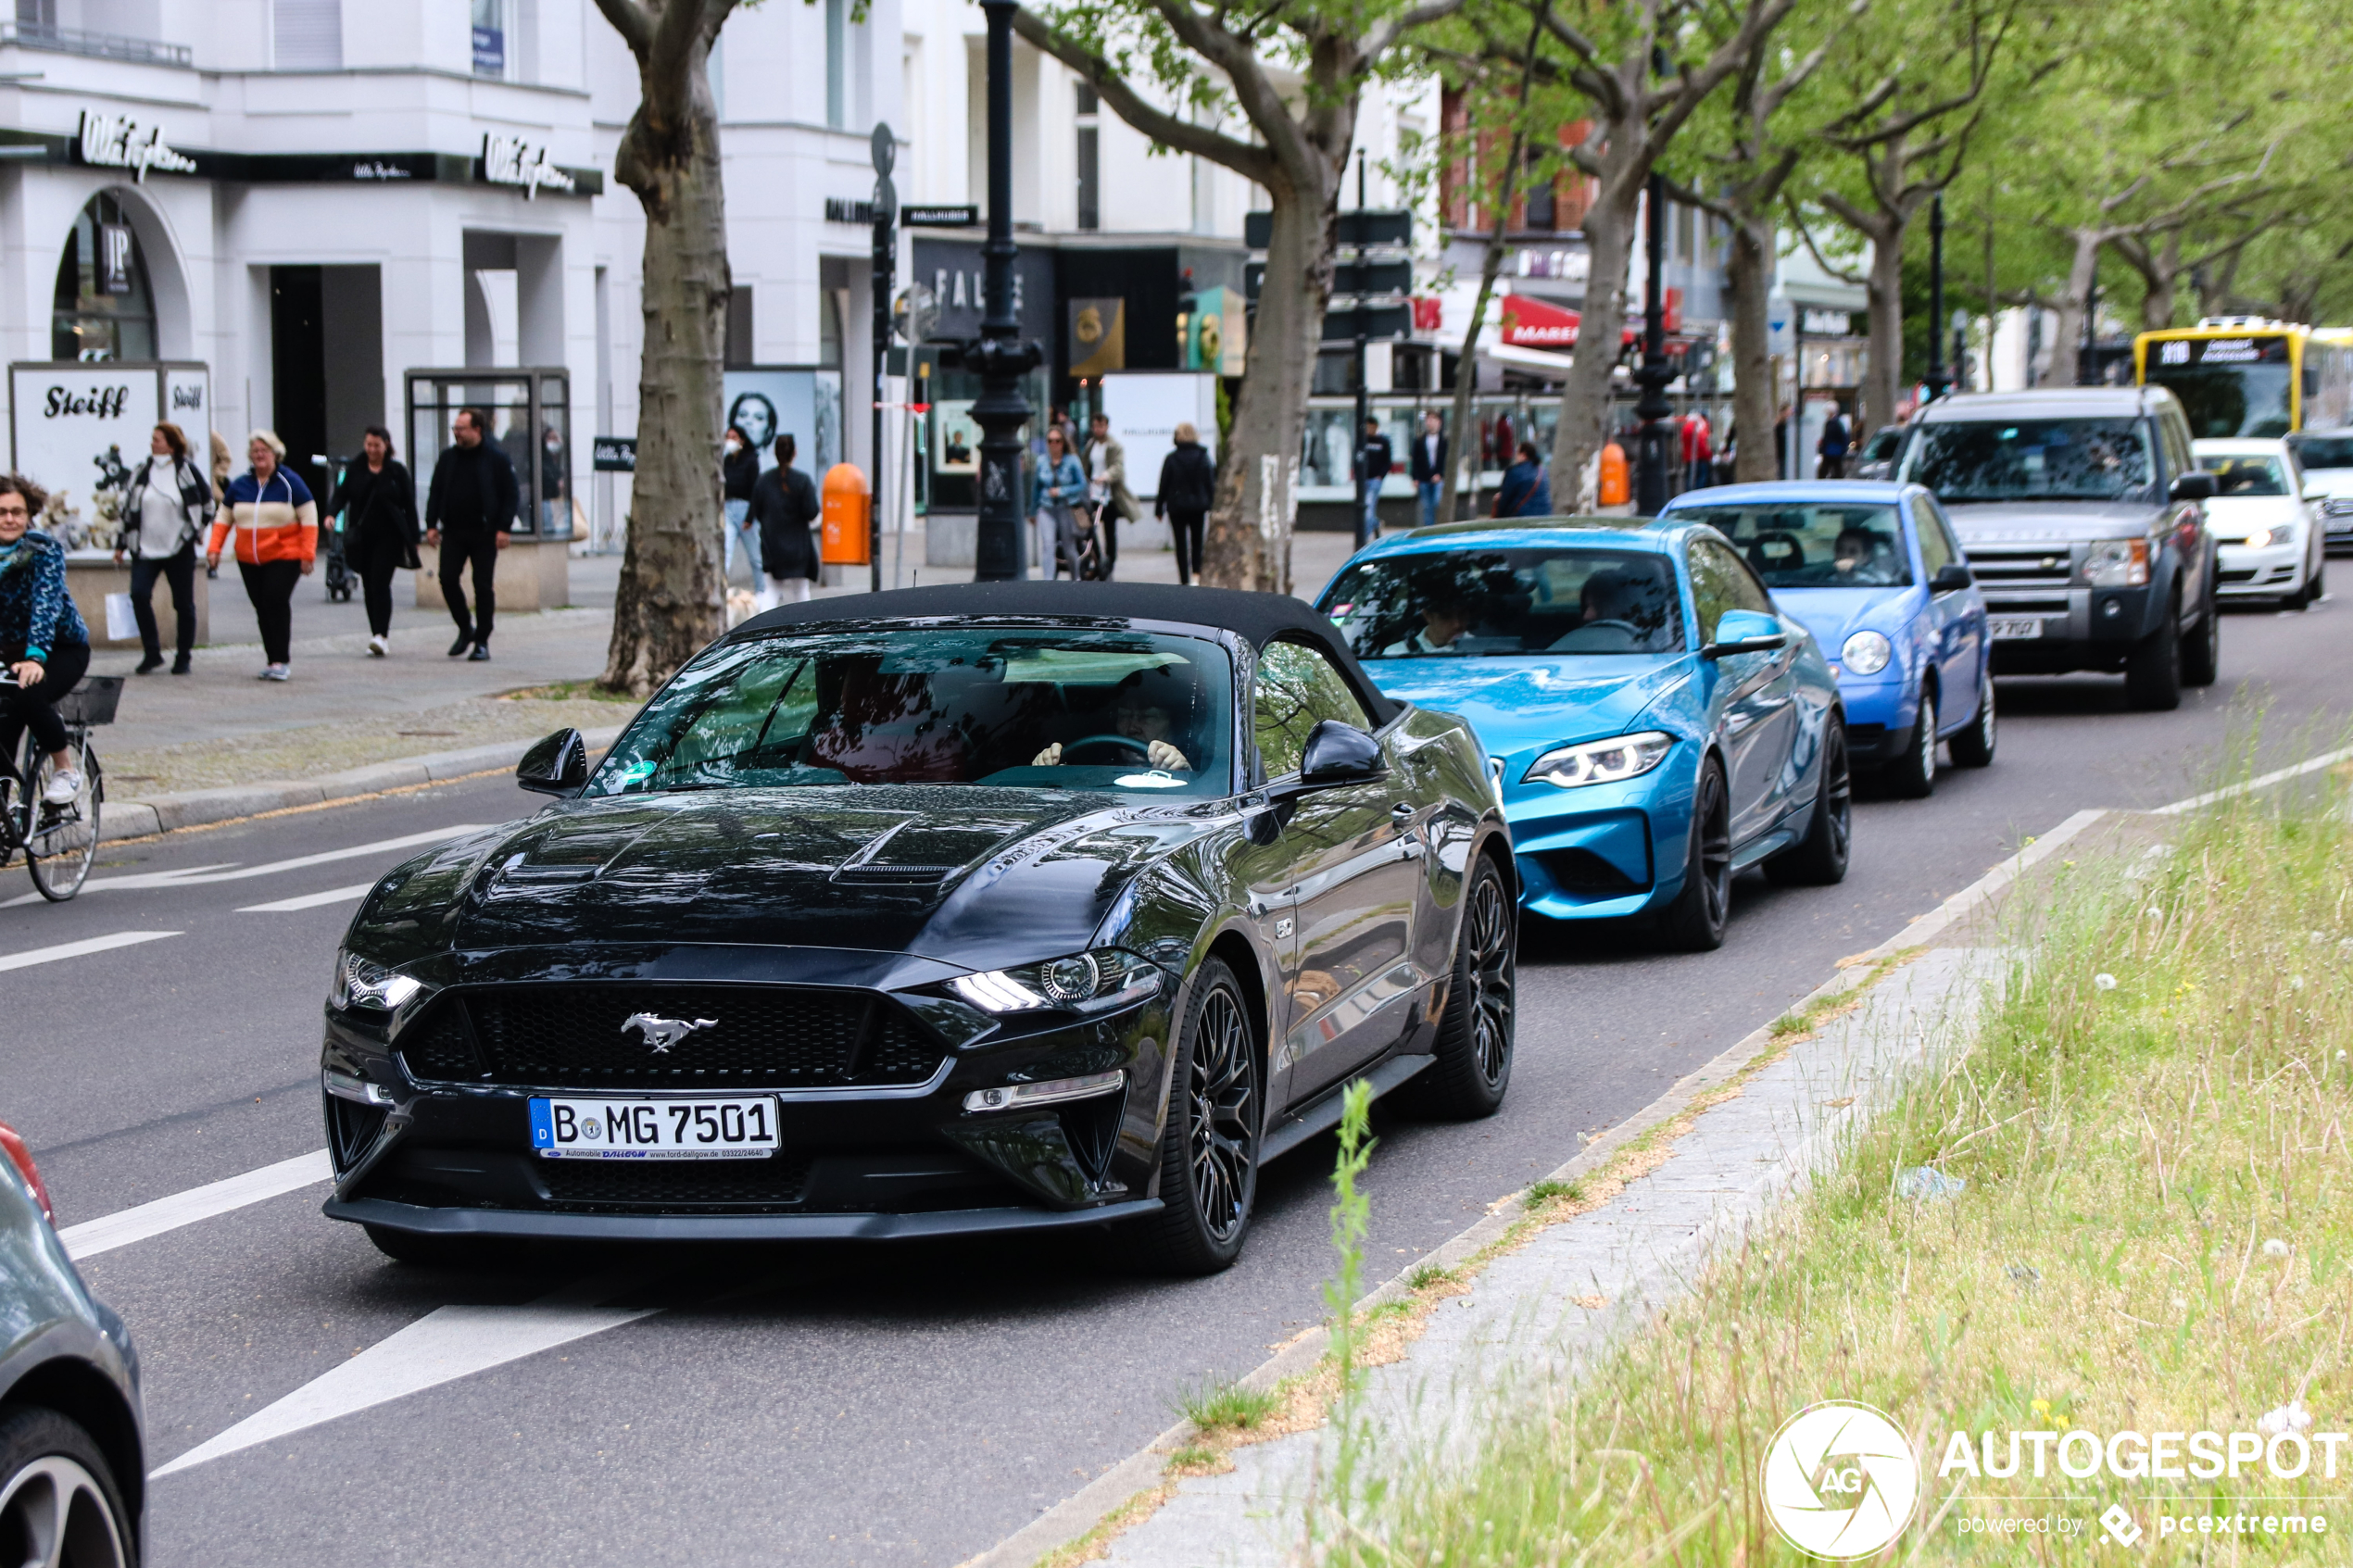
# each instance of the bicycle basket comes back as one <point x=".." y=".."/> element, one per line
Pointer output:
<point x="91" y="701"/>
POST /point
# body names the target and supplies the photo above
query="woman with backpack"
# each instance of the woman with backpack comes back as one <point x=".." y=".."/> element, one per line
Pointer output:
<point x="1188" y="488"/>
<point x="166" y="504"/>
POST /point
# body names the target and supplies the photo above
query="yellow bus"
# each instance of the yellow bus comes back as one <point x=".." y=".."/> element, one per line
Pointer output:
<point x="2246" y="376"/>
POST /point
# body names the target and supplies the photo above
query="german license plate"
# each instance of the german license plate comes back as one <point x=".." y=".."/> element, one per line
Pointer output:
<point x="2006" y="629"/>
<point x="654" y="1129"/>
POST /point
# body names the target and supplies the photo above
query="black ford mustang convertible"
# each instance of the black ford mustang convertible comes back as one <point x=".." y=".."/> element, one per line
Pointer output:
<point x="989" y="908"/>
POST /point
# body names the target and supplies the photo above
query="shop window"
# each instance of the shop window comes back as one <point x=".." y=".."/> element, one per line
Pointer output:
<point x="1091" y="200"/>
<point x="739" y="325"/>
<point x="1542" y="212"/>
<point x="838" y="64"/>
<point x="490" y="38"/>
<point x="103" y="308"/>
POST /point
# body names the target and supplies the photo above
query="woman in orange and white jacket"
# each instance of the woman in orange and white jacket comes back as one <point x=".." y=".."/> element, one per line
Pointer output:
<point x="270" y="513"/>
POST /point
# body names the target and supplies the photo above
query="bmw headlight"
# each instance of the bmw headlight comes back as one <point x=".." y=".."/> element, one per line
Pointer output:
<point x="1867" y="652"/>
<point x="2116" y="563"/>
<point x="1600" y="761"/>
<point x="363" y="983"/>
<point x="1100" y="978"/>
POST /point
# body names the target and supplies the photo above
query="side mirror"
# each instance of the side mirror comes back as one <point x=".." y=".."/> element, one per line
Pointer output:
<point x="2194" y="486"/>
<point x="558" y="765"/>
<point x="1951" y="577"/>
<point x="1744" y="630"/>
<point x="1339" y="754"/>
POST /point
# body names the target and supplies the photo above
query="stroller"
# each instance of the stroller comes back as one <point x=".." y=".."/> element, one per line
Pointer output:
<point x="340" y="579"/>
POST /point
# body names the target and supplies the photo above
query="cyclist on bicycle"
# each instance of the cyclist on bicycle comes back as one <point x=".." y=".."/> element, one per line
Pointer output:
<point x="42" y="641"/>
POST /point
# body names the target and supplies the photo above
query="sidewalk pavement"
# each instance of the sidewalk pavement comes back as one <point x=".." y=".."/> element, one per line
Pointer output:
<point x="219" y="743"/>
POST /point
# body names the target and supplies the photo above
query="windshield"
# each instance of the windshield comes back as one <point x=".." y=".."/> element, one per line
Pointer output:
<point x="2324" y="451"/>
<point x="1118" y="712"/>
<point x="1815" y="546"/>
<point x="2229" y="386"/>
<point x="1883" y="444"/>
<point x="2245" y="475"/>
<point x="1475" y="603"/>
<point x="2033" y="460"/>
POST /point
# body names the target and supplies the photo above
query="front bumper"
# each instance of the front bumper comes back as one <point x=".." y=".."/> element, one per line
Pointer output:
<point x="1606" y="851"/>
<point x="1880" y="714"/>
<point x="2076" y="629"/>
<point x="2270" y="572"/>
<point x="415" y="1151"/>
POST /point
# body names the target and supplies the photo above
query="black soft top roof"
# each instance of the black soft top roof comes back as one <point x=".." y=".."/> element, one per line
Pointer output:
<point x="1259" y="619"/>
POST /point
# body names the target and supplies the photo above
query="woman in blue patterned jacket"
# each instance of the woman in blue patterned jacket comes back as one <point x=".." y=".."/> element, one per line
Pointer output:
<point x="43" y="640"/>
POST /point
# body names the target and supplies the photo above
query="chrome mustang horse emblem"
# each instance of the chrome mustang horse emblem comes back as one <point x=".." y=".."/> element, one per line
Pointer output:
<point x="664" y="1032"/>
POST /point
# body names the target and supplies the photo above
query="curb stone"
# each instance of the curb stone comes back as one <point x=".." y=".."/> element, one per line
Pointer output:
<point x="153" y="814"/>
<point x="1141" y="1471"/>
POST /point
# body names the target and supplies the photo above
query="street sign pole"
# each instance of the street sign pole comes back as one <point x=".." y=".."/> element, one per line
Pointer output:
<point x="886" y="265"/>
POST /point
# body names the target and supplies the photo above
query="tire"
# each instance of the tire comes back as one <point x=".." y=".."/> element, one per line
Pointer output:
<point x="1694" y="922"/>
<point x="1819" y="859"/>
<point x="1208" y="1148"/>
<point x="427" y="1251"/>
<point x="1913" y="775"/>
<point x="1474" y="1057"/>
<point x="59" y="1501"/>
<point x="61" y="842"/>
<point x="1973" y="747"/>
<point x="2153" y="670"/>
<point x="2202" y="651"/>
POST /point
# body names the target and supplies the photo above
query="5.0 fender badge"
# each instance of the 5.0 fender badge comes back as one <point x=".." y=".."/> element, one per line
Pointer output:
<point x="664" y="1032"/>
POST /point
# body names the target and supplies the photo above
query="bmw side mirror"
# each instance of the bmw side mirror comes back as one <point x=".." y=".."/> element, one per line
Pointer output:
<point x="2194" y="486"/>
<point x="1744" y="630"/>
<point x="558" y="765"/>
<point x="1950" y="577"/>
<point x="1339" y="754"/>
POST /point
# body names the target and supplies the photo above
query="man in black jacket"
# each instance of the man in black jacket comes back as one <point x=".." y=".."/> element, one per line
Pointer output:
<point x="1427" y="464"/>
<point x="784" y="503"/>
<point x="473" y="501"/>
<point x="1374" y="460"/>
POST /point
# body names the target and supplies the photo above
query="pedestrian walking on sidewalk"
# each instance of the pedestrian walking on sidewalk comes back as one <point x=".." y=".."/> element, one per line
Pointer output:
<point x="784" y="503"/>
<point x="1527" y="490"/>
<point x="378" y="501"/>
<point x="1059" y="489"/>
<point x="274" y="523"/>
<point x="738" y="475"/>
<point x="42" y="641"/>
<point x="468" y="508"/>
<point x="1107" y="489"/>
<point x="166" y="504"/>
<point x="1374" y="459"/>
<point x="1188" y="489"/>
<point x="1426" y="465"/>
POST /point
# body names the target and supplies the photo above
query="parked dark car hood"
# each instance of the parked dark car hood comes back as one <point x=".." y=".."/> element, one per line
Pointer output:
<point x="964" y="874"/>
<point x="2032" y="523"/>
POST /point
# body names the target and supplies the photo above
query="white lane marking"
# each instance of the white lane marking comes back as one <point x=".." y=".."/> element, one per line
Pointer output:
<point x="443" y="1346"/>
<point x="127" y="1225"/>
<point x="310" y="901"/>
<point x="197" y="876"/>
<point x="2264" y="781"/>
<point x="32" y="955"/>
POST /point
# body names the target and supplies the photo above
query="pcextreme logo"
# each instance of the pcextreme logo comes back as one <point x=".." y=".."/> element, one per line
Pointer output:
<point x="1840" y="1480"/>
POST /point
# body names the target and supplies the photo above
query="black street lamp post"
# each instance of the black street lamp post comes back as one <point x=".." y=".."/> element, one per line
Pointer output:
<point x="998" y="355"/>
<point x="1651" y="482"/>
<point x="1937" y="381"/>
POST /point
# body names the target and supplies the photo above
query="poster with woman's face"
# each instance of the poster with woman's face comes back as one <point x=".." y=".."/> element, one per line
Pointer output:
<point x="766" y="404"/>
<point x="955" y="437"/>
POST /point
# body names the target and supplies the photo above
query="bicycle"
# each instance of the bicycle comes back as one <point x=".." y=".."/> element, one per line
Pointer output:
<point x="59" y="842"/>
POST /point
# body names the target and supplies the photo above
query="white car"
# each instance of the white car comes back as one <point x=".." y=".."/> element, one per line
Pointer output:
<point x="2268" y="530"/>
<point x="2326" y="457"/>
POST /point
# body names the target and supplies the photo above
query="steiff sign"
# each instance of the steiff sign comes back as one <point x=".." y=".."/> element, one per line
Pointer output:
<point x="76" y="428"/>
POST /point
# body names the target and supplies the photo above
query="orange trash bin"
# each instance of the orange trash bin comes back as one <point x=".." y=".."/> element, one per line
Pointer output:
<point x="846" y="501"/>
<point x="1613" y="490"/>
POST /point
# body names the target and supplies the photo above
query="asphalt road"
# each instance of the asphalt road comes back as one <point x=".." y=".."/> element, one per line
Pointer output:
<point x="829" y="1406"/>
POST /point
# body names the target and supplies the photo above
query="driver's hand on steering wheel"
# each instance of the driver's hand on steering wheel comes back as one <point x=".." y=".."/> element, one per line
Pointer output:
<point x="1049" y="758"/>
<point x="1167" y="758"/>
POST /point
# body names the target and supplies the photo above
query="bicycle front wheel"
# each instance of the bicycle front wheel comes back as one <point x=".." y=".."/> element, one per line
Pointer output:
<point x="61" y="840"/>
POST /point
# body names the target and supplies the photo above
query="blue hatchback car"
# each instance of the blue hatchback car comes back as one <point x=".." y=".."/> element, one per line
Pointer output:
<point x="1654" y="724"/>
<point x="1876" y="574"/>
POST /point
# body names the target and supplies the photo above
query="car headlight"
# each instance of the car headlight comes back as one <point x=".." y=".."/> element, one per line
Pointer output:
<point x="363" y="983"/>
<point x="1600" y="761"/>
<point x="1102" y="977"/>
<point x="2116" y="563"/>
<point x="2263" y="536"/>
<point x="1867" y="652"/>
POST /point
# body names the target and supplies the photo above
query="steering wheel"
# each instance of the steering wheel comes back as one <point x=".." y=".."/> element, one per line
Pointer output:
<point x="1139" y="749"/>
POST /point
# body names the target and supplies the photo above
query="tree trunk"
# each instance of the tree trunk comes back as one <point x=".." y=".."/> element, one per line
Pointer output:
<point x="1601" y="327"/>
<point x="671" y="599"/>
<point x="2066" y="345"/>
<point x="1250" y="527"/>
<point x="1883" y="379"/>
<point x="1748" y="271"/>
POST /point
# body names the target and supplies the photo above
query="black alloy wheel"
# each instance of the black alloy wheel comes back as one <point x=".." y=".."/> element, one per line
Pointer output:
<point x="2202" y="649"/>
<point x="1819" y="859"/>
<point x="1472" y="1066"/>
<point x="1209" y="1146"/>
<point x="60" y="1504"/>
<point x="1913" y="775"/>
<point x="1973" y="747"/>
<point x="2153" y="670"/>
<point x="1694" y="922"/>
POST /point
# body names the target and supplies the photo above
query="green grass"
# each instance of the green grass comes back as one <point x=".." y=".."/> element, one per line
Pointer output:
<point x="2155" y="1236"/>
<point x="1543" y="1192"/>
<point x="1227" y="1407"/>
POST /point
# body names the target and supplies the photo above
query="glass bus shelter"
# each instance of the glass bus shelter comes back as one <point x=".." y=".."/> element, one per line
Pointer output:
<point x="529" y="415"/>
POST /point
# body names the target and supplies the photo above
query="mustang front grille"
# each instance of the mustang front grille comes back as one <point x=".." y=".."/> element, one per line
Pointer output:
<point x="650" y="1037"/>
<point x="675" y="1186"/>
